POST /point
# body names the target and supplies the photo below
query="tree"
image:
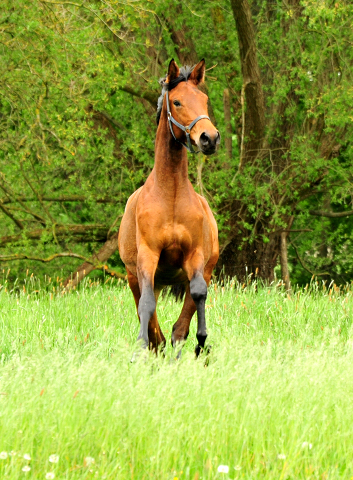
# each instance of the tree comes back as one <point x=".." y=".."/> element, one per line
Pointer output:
<point x="65" y="174"/>
<point x="296" y="70"/>
<point x="78" y="90"/>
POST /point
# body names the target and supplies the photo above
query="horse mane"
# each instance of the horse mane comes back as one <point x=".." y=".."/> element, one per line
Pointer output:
<point x="184" y="75"/>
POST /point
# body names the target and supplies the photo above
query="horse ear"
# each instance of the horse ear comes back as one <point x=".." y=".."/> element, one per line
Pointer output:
<point x="173" y="71"/>
<point x="198" y="74"/>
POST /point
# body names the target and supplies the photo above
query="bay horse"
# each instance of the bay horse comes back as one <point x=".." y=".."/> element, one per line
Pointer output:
<point x="168" y="234"/>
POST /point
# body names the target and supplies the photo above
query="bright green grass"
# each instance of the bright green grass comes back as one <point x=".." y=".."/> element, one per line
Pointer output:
<point x="280" y="374"/>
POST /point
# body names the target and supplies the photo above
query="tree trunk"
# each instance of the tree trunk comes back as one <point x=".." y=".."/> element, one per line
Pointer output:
<point x="102" y="256"/>
<point x="284" y="261"/>
<point x="228" y="125"/>
<point x="253" y="127"/>
<point x="254" y="257"/>
<point x="244" y="259"/>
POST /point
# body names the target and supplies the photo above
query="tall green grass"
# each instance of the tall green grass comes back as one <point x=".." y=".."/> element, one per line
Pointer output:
<point x="272" y="401"/>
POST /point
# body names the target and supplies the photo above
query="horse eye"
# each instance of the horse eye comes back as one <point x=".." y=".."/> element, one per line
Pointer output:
<point x="177" y="103"/>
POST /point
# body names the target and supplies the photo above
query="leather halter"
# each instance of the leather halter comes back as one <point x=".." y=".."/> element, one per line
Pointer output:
<point x="187" y="129"/>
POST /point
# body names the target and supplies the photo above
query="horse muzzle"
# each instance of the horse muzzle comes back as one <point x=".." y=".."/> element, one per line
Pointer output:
<point x="208" y="142"/>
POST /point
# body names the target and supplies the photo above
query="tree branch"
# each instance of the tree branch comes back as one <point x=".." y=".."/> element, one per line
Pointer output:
<point x="21" y="256"/>
<point x="93" y="232"/>
<point x="20" y="200"/>
<point x="9" y="214"/>
<point x="304" y="266"/>
<point x="102" y="256"/>
<point x="113" y="121"/>
<point x="322" y="213"/>
<point x="149" y="95"/>
<point x="35" y="193"/>
<point x="62" y="198"/>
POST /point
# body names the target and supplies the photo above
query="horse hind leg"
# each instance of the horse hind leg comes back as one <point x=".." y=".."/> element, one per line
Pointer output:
<point x="181" y="327"/>
<point x="155" y="334"/>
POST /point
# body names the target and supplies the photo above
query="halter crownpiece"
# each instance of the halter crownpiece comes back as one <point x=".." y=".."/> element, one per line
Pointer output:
<point x="187" y="130"/>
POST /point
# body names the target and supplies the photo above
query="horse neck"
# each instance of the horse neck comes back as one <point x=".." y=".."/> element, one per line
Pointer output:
<point x="171" y="163"/>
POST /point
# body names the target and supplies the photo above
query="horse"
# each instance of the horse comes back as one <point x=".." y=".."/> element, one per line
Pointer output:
<point x="168" y="234"/>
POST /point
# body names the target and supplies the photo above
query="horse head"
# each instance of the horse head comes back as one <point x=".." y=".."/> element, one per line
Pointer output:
<point x="187" y="108"/>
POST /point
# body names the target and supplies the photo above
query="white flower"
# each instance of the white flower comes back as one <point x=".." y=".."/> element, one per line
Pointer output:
<point x="281" y="456"/>
<point x="54" y="458"/>
<point x="26" y="468"/>
<point x="88" y="461"/>
<point x="3" y="455"/>
<point x="310" y="75"/>
<point x="50" y="475"/>
<point x="307" y="445"/>
<point x="237" y="467"/>
<point x="12" y="453"/>
<point x="223" y="469"/>
<point x="27" y="456"/>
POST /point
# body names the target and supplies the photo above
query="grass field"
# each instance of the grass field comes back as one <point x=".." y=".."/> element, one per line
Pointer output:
<point x="275" y="400"/>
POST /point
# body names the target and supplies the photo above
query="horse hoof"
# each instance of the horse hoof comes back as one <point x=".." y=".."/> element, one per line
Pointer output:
<point x="140" y="354"/>
<point x="206" y="350"/>
<point x="134" y="358"/>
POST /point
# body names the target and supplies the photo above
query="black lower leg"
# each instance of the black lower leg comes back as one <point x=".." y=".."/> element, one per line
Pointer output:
<point x="198" y="291"/>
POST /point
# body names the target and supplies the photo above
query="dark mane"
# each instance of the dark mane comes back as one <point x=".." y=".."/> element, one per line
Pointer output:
<point x="184" y="75"/>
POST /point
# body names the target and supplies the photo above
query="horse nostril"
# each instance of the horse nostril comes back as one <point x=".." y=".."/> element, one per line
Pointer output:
<point x="205" y="139"/>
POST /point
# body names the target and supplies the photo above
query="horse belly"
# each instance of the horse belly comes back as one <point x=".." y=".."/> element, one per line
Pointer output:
<point x="171" y="257"/>
<point x="169" y="271"/>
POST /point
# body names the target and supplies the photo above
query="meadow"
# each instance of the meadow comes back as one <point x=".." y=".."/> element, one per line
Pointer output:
<point x="273" y="400"/>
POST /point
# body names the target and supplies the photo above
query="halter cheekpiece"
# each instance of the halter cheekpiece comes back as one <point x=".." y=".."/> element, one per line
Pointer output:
<point x="187" y="129"/>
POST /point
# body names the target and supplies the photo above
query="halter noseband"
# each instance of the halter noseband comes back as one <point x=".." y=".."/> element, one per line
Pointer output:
<point x="187" y="129"/>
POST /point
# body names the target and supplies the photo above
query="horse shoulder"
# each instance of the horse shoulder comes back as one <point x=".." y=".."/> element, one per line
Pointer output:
<point x="208" y="212"/>
<point x="212" y="223"/>
<point x="131" y="201"/>
<point x="127" y="231"/>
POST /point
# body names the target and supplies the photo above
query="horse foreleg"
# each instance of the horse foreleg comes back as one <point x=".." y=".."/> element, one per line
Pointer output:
<point x="155" y="334"/>
<point x="199" y="279"/>
<point x="198" y="292"/>
<point x="195" y="299"/>
<point x="147" y="262"/>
